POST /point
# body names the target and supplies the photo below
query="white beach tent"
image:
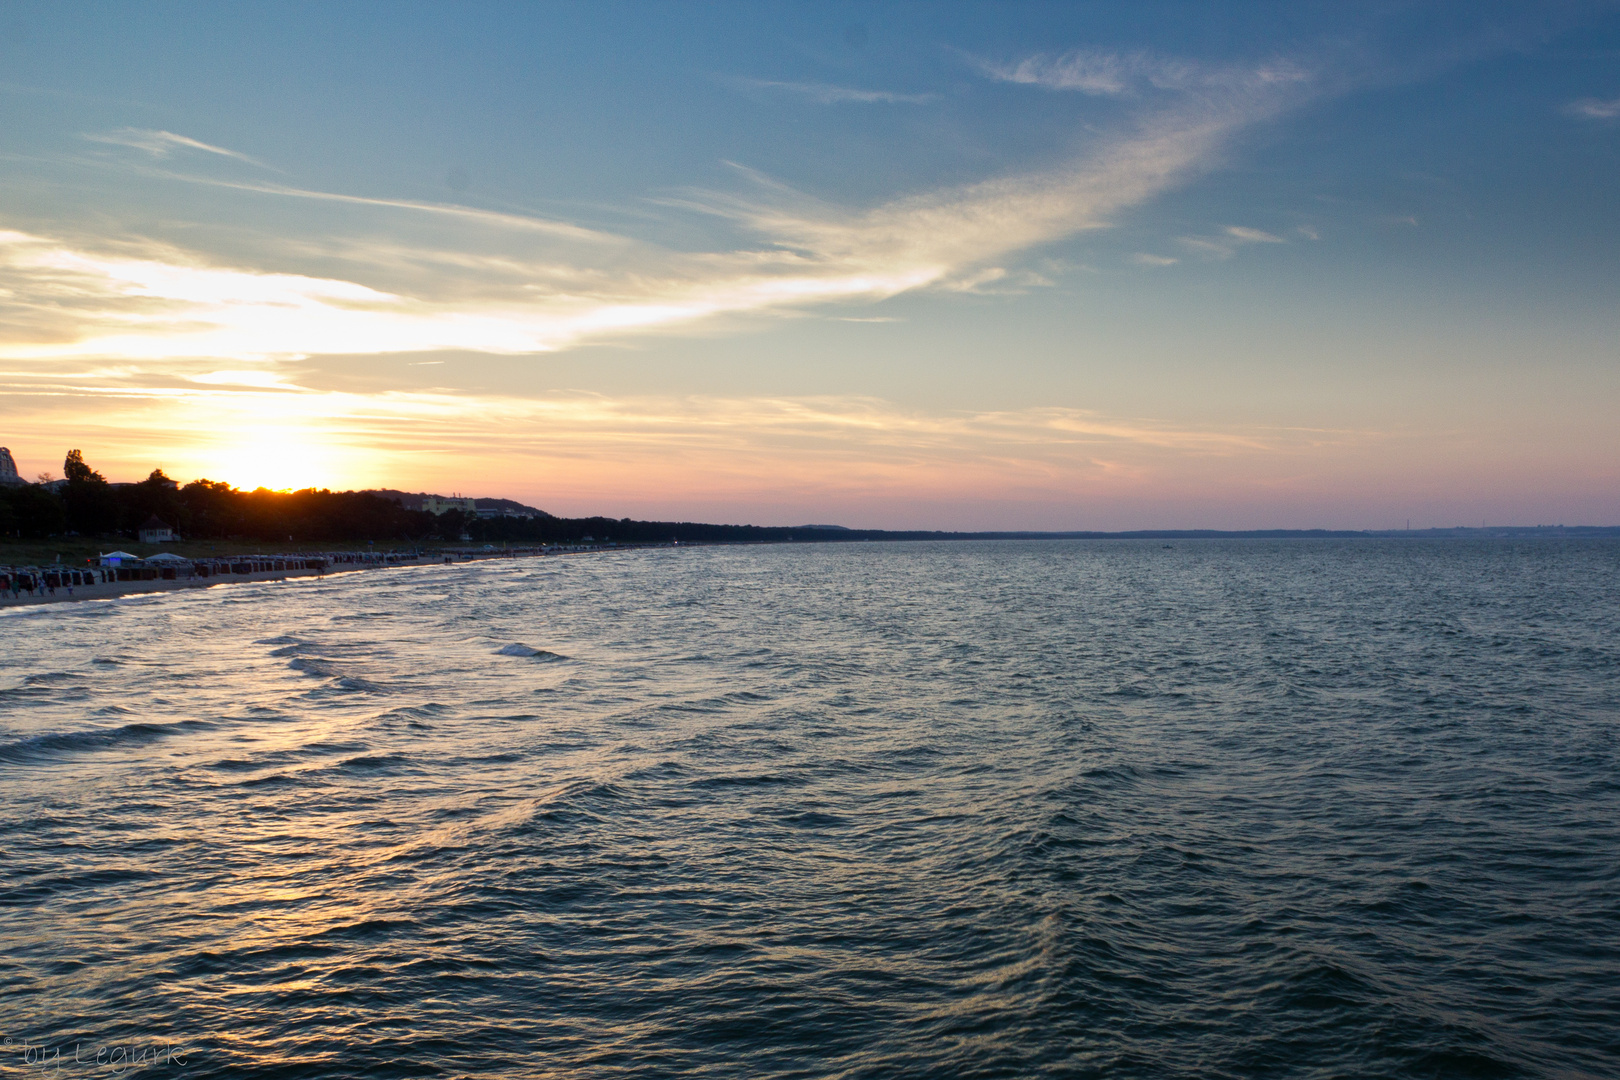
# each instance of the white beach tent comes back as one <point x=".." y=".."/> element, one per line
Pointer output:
<point x="118" y="558"/>
<point x="165" y="558"/>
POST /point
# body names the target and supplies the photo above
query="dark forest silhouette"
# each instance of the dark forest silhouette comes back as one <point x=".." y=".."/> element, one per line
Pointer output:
<point x="83" y="502"/>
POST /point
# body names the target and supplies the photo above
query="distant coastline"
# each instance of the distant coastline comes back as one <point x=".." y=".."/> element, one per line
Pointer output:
<point x="1460" y="532"/>
<point x="72" y="515"/>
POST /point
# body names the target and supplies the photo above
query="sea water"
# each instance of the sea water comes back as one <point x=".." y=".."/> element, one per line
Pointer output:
<point x="1215" y="809"/>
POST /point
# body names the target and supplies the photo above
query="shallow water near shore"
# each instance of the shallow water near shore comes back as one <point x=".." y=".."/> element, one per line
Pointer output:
<point x="1229" y="808"/>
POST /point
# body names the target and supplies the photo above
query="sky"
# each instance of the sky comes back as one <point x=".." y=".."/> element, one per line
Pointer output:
<point x="954" y="266"/>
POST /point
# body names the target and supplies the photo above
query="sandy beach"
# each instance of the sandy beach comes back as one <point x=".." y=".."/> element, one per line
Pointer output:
<point x="113" y="589"/>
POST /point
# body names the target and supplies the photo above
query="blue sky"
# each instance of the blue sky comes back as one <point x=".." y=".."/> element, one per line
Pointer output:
<point x="1022" y="266"/>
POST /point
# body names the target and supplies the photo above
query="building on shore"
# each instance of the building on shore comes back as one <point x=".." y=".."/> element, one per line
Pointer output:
<point x="8" y="468"/>
<point x="154" y="530"/>
<point x="435" y="505"/>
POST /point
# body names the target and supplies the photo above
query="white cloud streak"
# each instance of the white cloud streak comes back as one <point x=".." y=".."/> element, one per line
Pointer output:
<point x="828" y="94"/>
<point x="160" y="144"/>
<point x="1594" y="108"/>
<point x="1230" y="239"/>
<point x="1106" y="74"/>
<point x="1246" y="235"/>
<point x="494" y="218"/>
<point x="1090" y="72"/>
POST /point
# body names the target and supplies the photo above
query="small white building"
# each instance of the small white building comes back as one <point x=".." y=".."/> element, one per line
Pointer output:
<point x="435" y="505"/>
<point x="154" y="530"/>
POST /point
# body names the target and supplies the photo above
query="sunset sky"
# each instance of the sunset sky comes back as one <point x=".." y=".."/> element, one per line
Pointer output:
<point x="1057" y="266"/>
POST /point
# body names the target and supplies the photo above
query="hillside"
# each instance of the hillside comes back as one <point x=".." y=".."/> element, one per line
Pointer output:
<point x="412" y="500"/>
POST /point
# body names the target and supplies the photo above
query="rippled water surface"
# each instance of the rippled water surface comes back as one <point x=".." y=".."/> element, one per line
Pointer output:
<point x="1307" y="809"/>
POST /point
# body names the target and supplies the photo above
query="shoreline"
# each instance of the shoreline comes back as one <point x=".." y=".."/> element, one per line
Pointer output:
<point x="115" y="590"/>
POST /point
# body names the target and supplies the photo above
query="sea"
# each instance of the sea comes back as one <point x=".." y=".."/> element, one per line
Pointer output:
<point x="1211" y="808"/>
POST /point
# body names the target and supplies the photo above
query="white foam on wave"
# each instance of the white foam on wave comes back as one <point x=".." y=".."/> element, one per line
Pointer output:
<point x="519" y="649"/>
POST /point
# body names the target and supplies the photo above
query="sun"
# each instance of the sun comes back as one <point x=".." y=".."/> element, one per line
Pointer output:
<point x="279" y="459"/>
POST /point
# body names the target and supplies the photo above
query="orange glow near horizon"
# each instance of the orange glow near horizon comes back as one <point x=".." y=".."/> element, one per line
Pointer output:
<point x="276" y="459"/>
<point x="858" y="461"/>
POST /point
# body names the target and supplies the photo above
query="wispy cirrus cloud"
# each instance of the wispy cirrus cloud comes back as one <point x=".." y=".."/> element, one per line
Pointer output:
<point x="1091" y="72"/>
<point x="1111" y="74"/>
<point x="830" y="94"/>
<point x="1226" y="243"/>
<point x="1594" y="108"/>
<point x="504" y="283"/>
<point x="493" y="218"/>
<point x="1245" y="235"/>
<point x="241" y="426"/>
<point x="161" y="144"/>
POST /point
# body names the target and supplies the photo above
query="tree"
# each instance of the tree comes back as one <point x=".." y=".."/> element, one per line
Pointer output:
<point x="34" y="512"/>
<point x="158" y="496"/>
<point x="74" y="470"/>
<point x="212" y="508"/>
<point x="87" y="500"/>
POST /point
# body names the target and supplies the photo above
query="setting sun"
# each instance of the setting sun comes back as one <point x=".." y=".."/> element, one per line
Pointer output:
<point x="277" y="458"/>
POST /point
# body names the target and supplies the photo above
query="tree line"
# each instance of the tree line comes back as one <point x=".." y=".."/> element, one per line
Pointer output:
<point x="83" y="502"/>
